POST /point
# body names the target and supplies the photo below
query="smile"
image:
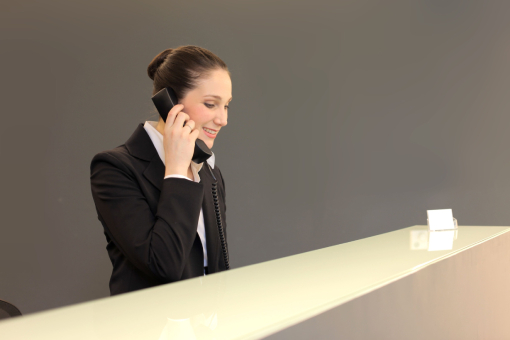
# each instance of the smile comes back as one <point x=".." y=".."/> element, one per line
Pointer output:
<point x="212" y="132"/>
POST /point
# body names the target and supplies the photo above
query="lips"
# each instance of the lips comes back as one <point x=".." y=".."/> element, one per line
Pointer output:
<point x="209" y="134"/>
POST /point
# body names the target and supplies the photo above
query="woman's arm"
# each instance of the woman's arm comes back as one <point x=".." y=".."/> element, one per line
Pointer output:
<point x="156" y="244"/>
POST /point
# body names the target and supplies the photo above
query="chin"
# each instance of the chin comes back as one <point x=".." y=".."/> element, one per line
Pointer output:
<point x="206" y="140"/>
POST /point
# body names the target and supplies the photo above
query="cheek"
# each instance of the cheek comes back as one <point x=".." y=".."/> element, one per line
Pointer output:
<point x="201" y="116"/>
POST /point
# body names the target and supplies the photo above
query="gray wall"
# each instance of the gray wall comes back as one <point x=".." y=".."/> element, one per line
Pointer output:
<point x="349" y="119"/>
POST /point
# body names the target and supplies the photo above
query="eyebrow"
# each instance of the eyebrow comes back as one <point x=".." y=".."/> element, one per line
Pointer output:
<point x="215" y="96"/>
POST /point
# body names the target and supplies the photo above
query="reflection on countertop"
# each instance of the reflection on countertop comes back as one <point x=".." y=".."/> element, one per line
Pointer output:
<point x="424" y="239"/>
<point x="193" y="328"/>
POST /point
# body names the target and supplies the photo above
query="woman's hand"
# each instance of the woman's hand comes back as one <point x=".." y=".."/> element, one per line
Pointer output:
<point x="178" y="141"/>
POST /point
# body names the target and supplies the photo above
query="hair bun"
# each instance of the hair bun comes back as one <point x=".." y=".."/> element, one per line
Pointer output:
<point x="157" y="61"/>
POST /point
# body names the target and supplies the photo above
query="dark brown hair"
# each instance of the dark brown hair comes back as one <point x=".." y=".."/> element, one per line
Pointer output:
<point x="181" y="67"/>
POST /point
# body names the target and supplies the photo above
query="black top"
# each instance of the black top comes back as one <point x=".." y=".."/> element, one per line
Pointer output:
<point x="150" y="223"/>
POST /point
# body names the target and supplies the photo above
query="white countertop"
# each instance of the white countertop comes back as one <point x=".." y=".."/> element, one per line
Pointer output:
<point x="253" y="301"/>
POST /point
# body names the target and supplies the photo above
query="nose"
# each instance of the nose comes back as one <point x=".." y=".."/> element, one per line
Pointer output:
<point x="221" y="117"/>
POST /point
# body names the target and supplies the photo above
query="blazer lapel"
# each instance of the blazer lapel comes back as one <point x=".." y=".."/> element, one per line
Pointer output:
<point x="140" y="145"/>
<point x="211" y="228"/>
<point x="155" y="172"/>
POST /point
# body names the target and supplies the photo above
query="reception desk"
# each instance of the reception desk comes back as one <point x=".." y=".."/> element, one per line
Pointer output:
<point x="409" y="283"/>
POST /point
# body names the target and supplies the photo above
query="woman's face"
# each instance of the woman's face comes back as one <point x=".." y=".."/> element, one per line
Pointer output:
<point x="207" y="104"/>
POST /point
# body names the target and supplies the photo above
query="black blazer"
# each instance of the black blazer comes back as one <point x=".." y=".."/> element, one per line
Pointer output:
<point x="150" y="223"/>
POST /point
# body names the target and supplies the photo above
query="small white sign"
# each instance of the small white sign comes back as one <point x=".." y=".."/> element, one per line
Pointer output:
<point x="441" y="219"/>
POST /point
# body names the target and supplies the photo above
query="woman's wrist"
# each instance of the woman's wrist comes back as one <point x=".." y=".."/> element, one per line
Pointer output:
<point x="176" y="171"/>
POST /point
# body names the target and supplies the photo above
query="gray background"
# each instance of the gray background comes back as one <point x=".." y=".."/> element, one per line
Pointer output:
<point x="349" y="119"/>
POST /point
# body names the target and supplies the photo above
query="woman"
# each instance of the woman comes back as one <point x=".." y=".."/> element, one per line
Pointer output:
<point x="155" y="204"/>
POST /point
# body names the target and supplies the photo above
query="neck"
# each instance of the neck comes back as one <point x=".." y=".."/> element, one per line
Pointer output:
<point x="161" y="126"/>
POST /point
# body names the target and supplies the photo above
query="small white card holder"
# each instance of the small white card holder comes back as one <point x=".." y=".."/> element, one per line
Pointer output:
<point x="442" y="229"/>
<point x="441" y="219"/>
<point x="455" y="225"/>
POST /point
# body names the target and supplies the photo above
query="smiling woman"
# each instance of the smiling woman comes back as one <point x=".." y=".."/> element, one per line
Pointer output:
<point x="208" y="111"/>
<point x="153" y="201"/>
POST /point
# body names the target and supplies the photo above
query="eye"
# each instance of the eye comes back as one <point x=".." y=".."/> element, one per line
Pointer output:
<point x="209" y="105"/>
<point x="226" y="106"/>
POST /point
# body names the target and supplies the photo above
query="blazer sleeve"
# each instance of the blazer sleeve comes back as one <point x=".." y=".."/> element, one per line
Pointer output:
<point x="159" y="244"/>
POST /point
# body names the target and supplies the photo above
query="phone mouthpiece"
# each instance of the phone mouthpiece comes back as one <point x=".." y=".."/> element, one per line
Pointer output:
<point x="202" y="152"/>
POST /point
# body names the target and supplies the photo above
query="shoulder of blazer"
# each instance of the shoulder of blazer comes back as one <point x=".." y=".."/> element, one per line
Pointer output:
<point x="138" y="148"/>
<point x="118" y="157"/>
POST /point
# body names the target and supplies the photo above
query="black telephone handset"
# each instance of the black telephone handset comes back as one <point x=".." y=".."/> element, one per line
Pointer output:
<point x="164" y="100"/>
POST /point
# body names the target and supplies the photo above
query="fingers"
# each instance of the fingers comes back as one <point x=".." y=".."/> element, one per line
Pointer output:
<point x="180" y="120"/>
<point x="173" y="113"/>
<point x="177" y="120"/>
<point x="191" y="124"/>
<point x="194" y="134"/>
<point x="179" y="140"/>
